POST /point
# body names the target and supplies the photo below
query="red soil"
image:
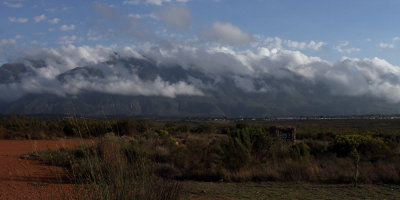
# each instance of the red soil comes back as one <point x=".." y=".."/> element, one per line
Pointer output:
<point x="27" y="179"/>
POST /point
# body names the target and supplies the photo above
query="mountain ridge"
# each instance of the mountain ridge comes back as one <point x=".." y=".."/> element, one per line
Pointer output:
<point x="221" y="97"/>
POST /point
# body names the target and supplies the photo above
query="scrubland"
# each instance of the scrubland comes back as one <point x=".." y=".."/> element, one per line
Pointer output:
<point x="148" y="159"/>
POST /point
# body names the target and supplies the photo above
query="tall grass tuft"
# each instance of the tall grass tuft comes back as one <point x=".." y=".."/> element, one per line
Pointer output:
<point x="113" y="168"/>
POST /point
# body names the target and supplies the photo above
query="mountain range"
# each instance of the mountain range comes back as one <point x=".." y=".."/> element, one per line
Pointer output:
<point x="169" y="90"/>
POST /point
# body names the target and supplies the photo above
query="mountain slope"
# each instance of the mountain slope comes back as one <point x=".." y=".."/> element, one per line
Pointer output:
<point x="141" y="87"/>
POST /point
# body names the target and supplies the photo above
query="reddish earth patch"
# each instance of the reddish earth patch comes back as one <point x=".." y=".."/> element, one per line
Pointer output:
<point x="27" y="179"/>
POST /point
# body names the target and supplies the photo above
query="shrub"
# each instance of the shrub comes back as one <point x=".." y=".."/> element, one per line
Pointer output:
<point x="236" y="154"/>
<point x="183" y="128"/>
<point x="317" y="148"/>
<point x="205" y="128"/>
<point x="372" y="148"/>
<point x="300" y="151"/>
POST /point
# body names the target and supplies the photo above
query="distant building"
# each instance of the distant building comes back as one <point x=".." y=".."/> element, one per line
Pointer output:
<point x="285" y="133"/>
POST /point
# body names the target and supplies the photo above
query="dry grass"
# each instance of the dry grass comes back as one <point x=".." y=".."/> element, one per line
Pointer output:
<point x="281" y="190"/>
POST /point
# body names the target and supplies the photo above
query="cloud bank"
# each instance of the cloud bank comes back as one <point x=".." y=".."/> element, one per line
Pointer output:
<point x="70" y="70"/>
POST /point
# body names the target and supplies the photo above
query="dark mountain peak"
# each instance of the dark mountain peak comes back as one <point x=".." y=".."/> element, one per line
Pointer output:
<point x="10" y="73"/>
<point x="85" y="72"/>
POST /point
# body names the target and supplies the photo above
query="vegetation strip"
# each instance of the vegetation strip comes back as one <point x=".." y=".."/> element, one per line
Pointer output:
<point x="139" y="157"/>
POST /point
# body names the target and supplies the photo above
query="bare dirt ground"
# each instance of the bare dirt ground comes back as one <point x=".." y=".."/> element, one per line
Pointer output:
<point x="27" y="179"/>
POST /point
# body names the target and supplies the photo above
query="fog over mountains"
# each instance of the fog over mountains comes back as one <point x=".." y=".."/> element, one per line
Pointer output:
<point x="177" y="80"/>
<point x="195" y="59"/>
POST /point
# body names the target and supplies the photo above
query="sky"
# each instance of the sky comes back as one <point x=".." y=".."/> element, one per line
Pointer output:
<point x="327" y="29"/>
<point x="349" y="47"/>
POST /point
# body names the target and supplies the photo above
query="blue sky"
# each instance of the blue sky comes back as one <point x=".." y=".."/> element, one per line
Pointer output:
<point x="327" y="29"/>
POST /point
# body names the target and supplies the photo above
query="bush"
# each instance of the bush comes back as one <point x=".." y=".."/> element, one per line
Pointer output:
<point x="236" y="151"/>
<point x="317" y="148"/>
<point x="367" y="146"/>
<point x="205" y="128"/>
<point x="300" y="151"/>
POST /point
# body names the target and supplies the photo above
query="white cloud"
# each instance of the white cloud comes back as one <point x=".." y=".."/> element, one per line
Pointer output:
<point x="156" y="2"/>
<point x="18" y="20"/>
<point x="54" y="21"/>
<point x="67" y="27"/>
<point x="131" y="85"/>
<point x="273" y="42"/>
<point x="92" y="36"/>
<point x="249" y="70"/>
<point x="65" y="8"/>
<point x="13" y="5"/>
<point x="315" y="45"/>
<point x="132" y="2"/>
<point x="8" y="41"/>
<point x="228" y="33"/>
<point x="396" y="38"/>
<point x="175" y="16"/>
<point x="341" y="48"/>
<point x="137" y="16"/>
<point x="39" y="18"/>
<point x="259" y="70"/>
<point x="152" y="2"/>
<point x="386" y="45"/>
<point x="11" y="40"/>
<point x="35" y="42"/>
<point x="67" y="39"/>
<point x="112" y="78"/>
<point x="295" y="44"/>
<point x="302" y="45"/>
